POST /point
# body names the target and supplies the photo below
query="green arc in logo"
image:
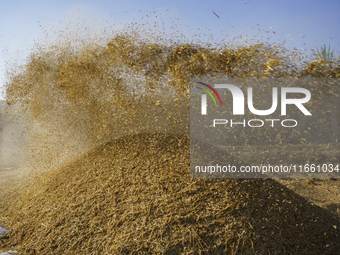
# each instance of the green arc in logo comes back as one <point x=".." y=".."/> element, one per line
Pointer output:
<point x="208" y="93"/>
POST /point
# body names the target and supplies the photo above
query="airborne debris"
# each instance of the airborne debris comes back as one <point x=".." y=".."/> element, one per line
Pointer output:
<point x="216" y="14"/>
<point x="112" y="170"/>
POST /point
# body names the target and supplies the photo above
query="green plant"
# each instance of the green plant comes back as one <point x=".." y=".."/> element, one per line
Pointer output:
<point x="324" y="55"/>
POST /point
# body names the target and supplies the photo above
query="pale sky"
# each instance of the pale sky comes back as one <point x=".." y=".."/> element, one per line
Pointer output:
<point x="301" y="24"/>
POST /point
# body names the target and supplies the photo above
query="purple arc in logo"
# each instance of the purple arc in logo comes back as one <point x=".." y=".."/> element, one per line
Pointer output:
<point x="208" y="86"/>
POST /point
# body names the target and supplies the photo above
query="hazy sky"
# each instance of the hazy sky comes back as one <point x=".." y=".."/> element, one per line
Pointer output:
<point x="300" y="24"/>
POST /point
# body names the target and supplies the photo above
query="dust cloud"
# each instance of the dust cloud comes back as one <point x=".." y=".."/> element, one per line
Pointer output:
<point x="13" y="136"/>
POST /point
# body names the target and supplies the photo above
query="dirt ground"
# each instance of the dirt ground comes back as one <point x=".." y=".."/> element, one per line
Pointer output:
<point x="321" y="192"/>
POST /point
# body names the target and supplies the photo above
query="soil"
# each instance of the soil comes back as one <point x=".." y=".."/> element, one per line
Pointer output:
<point x="321" y="192"/>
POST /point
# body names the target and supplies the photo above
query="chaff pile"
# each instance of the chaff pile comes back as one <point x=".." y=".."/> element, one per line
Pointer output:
<point x="127" y="104"/>
<point x="135" y="195"/>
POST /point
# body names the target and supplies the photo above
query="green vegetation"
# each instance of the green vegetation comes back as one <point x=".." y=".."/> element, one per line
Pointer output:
<point x="324" y="55"/>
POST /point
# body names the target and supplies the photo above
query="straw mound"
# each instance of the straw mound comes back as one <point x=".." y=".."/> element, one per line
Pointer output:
<point x="134" y="195"/>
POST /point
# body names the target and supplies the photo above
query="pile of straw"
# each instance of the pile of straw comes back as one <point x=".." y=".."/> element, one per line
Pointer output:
<point x="134" y="195"/>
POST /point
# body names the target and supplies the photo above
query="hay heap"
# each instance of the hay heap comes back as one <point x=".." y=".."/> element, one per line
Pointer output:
<point x="117" y="112"/>
<point x="134" y="195"/>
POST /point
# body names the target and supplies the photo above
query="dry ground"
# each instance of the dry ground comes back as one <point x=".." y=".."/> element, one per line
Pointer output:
<point x="322" y="192"/>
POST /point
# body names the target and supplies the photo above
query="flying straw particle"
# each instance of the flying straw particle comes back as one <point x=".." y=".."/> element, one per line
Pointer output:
<point x="216" y="14"/>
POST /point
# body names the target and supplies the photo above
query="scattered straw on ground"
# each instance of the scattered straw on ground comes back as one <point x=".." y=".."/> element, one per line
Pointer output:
<point x="134" y="195"/>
